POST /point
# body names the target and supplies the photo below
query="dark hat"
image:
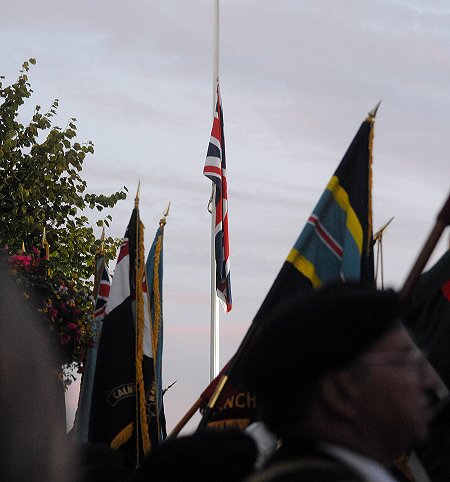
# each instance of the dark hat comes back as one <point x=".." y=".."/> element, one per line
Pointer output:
<point x="218" y="455"/>
<point x="309" y="335"/>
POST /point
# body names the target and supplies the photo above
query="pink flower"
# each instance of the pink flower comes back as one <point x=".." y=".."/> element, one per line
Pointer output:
<point x="53" y="312"/>
<point x="72" y="326"/>
<point x="22" y="259"/>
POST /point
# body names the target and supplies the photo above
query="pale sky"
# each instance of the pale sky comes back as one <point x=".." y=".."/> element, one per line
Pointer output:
<point x="297" y="79"/>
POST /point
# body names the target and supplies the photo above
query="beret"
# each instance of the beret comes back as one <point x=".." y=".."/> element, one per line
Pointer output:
<point x="217" y="455"/>
<point x="308" y="335"/>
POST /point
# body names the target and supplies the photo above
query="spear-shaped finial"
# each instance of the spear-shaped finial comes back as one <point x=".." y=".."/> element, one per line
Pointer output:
<point x="167" y="388"/>
<point x="372" y="114"/>
<point x="162" y="221"/>
<point x="379" y="233"/>
<point x="45" y="244"/>
<point x="136" y="199"/>
<point x="101" y="249"/>
<point x="23" y="247"/>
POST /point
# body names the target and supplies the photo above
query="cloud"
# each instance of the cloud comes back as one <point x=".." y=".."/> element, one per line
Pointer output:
<point x="297" y="79"/>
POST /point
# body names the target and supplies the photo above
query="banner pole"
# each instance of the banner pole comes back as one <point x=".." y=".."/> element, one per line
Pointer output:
<point x="442" y="221"/>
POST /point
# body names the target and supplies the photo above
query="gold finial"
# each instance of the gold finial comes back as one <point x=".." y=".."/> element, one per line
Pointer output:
<point x="101" y="249"/>
<point x="136" y="199"/>
<point x="45" y="244"/>
<point x="372" y="114"/>
<point x="163" y="221"/>
<point x="23" y="247"/>
<point x="379" y="233"/>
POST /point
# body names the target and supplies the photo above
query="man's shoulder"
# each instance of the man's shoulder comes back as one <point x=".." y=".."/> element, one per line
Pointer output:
<point x="308" y="467"/>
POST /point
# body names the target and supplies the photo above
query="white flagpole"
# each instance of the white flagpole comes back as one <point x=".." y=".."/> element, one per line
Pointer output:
<point x="214" y="339"/>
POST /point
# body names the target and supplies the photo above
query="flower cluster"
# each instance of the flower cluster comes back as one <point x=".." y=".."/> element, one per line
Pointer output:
<point x="67" y="309"/>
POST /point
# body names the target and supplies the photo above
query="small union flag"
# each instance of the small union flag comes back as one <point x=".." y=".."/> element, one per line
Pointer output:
<point x="215" y="169"/>
<point x="102" y="295"/>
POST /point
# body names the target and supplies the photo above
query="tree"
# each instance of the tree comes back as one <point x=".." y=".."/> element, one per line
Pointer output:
<point x="40" y="180"/>
<point x="41" y="188"/>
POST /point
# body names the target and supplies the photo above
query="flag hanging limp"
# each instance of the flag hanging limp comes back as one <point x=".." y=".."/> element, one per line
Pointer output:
<point x="216" y="170"/>
<point x="123" y="411"/>
<point x="101" y="289"/>
<point x="154" y="268"/>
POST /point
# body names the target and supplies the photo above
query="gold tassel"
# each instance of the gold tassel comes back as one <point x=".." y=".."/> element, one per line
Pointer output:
<point x="140" y="326"/>
<point x="123" y="436"/>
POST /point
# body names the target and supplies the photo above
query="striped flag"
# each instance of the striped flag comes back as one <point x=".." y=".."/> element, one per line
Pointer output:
<point x="102" y="294"/>
<point x="123" y="404"/>
<point x="215" y="169"/>
<point x="336" y="242"/>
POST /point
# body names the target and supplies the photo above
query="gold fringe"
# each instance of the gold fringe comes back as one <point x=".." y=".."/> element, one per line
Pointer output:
<point x="369" y="207"/>
<point x="155" y="324"/>
<point x="234" y="423"/>
<point x="140" y="326"/>
<point x="123" y="436"/>
<point x="156" y="297"/>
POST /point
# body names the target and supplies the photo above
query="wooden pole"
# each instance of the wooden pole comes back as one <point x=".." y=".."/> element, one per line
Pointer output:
<point x="180" y="425"/>
<point x="442" y="221"/>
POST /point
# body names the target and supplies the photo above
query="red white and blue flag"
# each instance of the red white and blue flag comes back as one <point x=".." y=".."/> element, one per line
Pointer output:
<point x="123" y="411"/>
<point x="102" y="286"/>
<point x="102" y="294"/>
<point x="216" y="170"/>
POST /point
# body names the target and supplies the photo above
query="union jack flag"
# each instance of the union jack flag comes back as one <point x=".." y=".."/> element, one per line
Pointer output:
<point x="215" y="169"/>
<point x="102" y="294"/>
<point x="101" y="288"/>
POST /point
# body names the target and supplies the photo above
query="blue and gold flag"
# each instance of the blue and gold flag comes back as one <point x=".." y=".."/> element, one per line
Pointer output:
<point x="154" y="267"/>
<point x="336" y="242"/>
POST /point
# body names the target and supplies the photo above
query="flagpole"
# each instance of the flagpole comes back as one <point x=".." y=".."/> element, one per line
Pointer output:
<point x="214" y="337"/>
<point x="136" y="331"/>
<point x="216" y="37"/>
